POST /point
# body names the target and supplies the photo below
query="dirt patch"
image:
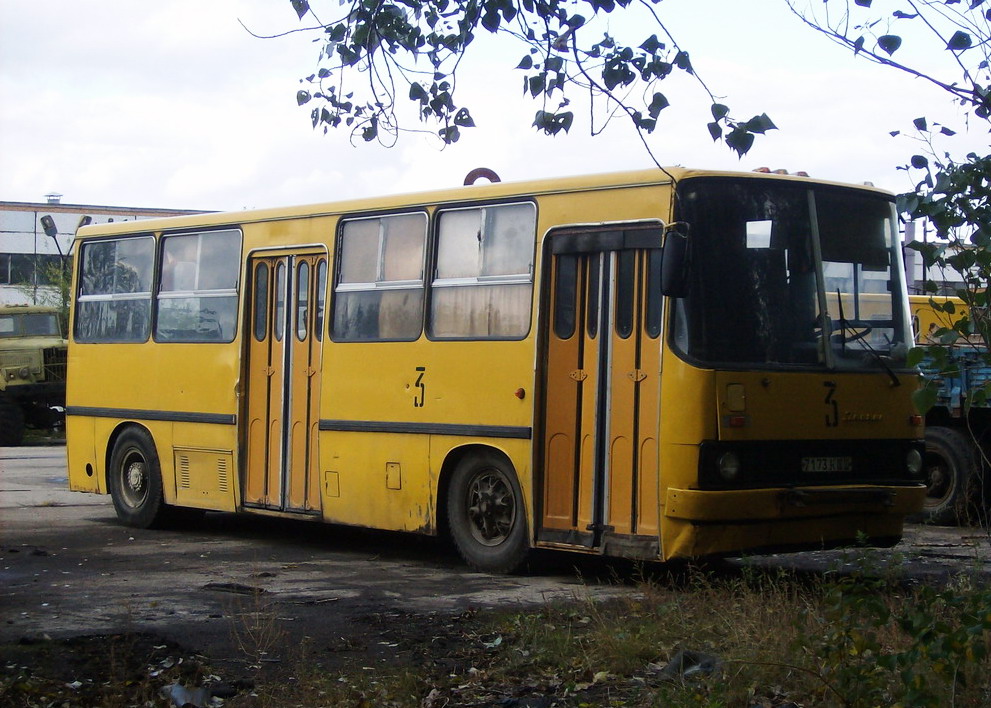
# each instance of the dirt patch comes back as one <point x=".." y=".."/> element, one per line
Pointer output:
<point x="145" y="669"/>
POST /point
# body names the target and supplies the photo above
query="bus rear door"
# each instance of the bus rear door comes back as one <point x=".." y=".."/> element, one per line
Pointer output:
<point x="288" y="291"/>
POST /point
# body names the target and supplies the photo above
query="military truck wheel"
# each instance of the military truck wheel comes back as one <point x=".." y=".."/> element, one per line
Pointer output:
<point x="11" y="425"/>
<point x="951" y="460"/>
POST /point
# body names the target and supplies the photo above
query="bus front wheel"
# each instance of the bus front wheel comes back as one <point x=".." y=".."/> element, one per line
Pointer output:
<point x="135" y="480"/>
<point x="486" y="514"/>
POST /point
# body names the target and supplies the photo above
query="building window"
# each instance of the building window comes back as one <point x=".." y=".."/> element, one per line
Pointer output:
<point x="379" y="293"/>
<point x="484" y="277"/>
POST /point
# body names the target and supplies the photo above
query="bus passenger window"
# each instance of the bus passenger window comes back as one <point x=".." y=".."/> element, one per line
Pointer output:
<point x="114" y="298"/>
<point x="302" y="301"/>
<point x="261" y="302"/>
<point x="197" y="296"/>
<point x="566" y="295"/>
<point x="626" y="287"/>
<point x="379" y="292"/>
<point x="321" y="298"/>
<point x="484" y="274"/>
<point x="652" y="321"/>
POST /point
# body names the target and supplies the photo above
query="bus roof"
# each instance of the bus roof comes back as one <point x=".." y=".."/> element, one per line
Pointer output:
<point x="594" y="182"/>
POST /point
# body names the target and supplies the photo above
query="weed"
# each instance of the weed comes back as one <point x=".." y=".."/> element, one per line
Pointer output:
<point x="255" y="627"/>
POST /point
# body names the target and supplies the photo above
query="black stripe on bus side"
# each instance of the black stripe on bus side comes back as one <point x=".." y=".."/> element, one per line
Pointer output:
<point x="138" y="414"/>
<point x="480" y="431"/>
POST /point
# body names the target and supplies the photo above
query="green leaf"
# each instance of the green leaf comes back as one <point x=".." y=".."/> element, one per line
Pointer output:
<point x="715" y="130"/>
<point x="302" y="97"/>
<point x="919" y="162"/>
<point x="301" y="7"/>
<point x="417" y="92"/>
<point x="525" y="63"/>
<point x="536" y="84"/>
<point x="915" y="356"/>
<point x="719" y="111"/>
<point x="449" y="135"/>
<point x="920" y="124"/>
<point x="740" y="140"/>
<point x="959" y="41"/>
<point x="863" y="3"/>
<point x="760" y="124"/>
<point x="657" y="104"/>
<point x="889" y="43"/>
<point x="491" y="20"/>
<point x="464" y="119"/>
<point x="924" y="399"/>
<point x="652" y="44"/>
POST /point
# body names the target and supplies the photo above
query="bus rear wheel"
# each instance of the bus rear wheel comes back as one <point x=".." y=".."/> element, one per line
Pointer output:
<point x="486" y="514"/>
<point x="135" y="480"/>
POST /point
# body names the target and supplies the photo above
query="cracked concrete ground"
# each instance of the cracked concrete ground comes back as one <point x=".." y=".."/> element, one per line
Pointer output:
<point x="68" y="567"/>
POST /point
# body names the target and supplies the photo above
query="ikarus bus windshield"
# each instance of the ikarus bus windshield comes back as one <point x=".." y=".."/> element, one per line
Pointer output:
<point x="791" y="275"/>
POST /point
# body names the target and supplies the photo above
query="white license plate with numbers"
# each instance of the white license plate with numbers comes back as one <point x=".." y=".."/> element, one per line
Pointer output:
<point x="827" y="464"/>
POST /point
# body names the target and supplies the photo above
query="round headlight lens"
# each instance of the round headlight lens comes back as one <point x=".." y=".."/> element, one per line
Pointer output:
<point x="729" y="466"/>
<point x="913" y="462"/>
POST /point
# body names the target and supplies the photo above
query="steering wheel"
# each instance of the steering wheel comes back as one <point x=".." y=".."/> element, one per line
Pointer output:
<point x="859" y="328"/>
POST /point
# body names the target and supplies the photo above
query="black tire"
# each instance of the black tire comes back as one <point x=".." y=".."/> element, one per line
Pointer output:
<point x="951" y="462"/>
<point x="135" y="480"/>
<point x="486" y="515"/>
<point x="11" y="425"/>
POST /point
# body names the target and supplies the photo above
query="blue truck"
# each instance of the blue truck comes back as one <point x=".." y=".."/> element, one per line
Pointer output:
<point x="958" y="426"/>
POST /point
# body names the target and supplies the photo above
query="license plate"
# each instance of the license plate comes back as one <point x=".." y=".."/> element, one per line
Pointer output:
<point x="827" y="464"/>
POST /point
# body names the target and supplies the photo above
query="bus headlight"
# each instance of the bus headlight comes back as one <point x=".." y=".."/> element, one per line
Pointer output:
<point x="729" y="466"/>
<point x="913" y="462"/>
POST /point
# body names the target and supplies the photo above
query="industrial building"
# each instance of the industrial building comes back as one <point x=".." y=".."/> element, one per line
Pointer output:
<point x="29" y="257"/>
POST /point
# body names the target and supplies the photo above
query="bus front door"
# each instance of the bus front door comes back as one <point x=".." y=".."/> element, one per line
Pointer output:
<point x="599" y="481"/>
<point x="286" y="332"/>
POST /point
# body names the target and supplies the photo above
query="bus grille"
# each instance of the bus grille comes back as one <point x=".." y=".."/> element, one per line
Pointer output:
<point x="55" y="360"/>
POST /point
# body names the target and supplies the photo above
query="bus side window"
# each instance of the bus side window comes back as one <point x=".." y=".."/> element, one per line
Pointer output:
<point x="484" y="274"/>
<point x="379" y="291"/>
<point x="197" y="298"/>
<point x="113" y="303"/>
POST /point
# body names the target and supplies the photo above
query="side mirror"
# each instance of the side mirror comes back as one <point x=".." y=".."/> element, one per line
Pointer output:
<point x="674" y="266"/>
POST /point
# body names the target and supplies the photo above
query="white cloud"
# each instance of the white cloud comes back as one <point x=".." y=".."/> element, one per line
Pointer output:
<point x="176" y="105"/>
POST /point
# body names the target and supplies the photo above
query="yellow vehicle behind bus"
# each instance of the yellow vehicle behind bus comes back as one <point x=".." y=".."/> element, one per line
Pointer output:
<point x="656" y="364"/>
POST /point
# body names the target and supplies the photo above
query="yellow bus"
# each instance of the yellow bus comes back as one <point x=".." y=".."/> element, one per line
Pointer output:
<point x="656" y="364"/>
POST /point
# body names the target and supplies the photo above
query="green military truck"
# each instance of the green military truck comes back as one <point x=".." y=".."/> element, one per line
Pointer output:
<point x="32" y="370"/>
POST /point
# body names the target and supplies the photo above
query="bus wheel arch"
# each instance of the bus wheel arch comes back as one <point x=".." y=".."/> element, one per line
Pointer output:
<point x="134" y="477"/>
<point x="483" y="508"/>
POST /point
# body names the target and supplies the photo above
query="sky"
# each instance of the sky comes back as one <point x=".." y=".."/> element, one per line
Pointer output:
<point x="175" y="105"/>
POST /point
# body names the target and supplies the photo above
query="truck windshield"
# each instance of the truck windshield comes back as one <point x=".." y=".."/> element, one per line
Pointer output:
<point x="29" y="324"/>
<point x="785" y="274"/>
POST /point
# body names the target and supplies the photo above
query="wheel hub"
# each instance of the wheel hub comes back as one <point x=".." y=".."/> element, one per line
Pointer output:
<point x="136" y="477"/>
<point x="490" y="510"/>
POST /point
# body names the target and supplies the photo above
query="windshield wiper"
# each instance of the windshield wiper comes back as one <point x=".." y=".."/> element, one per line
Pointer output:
<point x="861" y="337"/>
